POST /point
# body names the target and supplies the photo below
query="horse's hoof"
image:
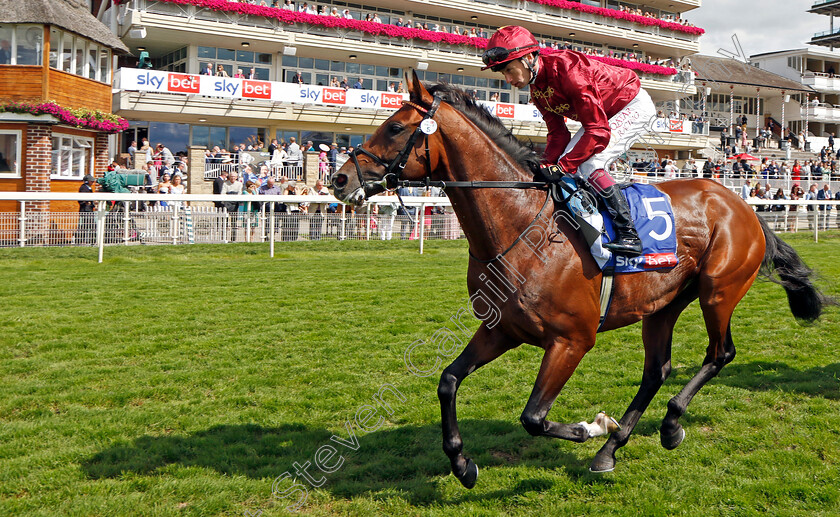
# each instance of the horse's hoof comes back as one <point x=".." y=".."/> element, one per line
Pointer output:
<point x="470" y="476"/>
<point x="673" y="440"/>
<point x="602" y="463"/>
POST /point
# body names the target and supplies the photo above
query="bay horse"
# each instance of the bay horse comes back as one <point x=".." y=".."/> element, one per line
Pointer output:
<point x="721" y="244"/>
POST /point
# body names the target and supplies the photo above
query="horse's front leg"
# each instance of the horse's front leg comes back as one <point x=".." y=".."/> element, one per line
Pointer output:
<point x="561" y="358"/>
<point x="485" y="345"/>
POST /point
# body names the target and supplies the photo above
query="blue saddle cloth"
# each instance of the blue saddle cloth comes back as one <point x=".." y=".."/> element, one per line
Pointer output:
<point x="654" y="219"/>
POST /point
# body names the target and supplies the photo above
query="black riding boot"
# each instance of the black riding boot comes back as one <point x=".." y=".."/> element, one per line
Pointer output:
<point x="627" y="241"/>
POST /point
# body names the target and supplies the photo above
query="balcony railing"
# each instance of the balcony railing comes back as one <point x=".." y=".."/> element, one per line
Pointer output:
<point x="821" y="81"/>
<point x="822" y="112"/>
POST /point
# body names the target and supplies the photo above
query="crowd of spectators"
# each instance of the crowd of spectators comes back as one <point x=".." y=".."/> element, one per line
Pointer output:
<point x="666" y="17"/>
<point x="476" y="32"/>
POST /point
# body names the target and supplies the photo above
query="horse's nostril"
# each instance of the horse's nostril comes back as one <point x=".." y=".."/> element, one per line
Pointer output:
<point x="340" y="180"/>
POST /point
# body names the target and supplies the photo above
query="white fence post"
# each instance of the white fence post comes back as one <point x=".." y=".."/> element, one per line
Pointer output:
<point x="22" y="224"/>
<point x="271" y="230"/>
<point x="101" y="213"/>
<point x="422" y="220"/>
<point x="125" y="223"/>
<point x="341" y="235"/>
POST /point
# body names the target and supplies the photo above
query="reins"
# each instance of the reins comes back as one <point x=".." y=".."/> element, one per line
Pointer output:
<point x="393" y="171"/>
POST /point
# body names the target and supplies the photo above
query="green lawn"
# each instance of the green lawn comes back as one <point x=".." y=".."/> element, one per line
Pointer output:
<point x="184" y="380"/>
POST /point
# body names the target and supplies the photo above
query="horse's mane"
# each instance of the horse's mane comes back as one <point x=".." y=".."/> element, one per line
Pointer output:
<point x="491" y="126"/>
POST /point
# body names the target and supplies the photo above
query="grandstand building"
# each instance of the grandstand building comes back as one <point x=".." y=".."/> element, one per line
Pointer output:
<point x="815" y="70"/>
<point x="289" y="60"/>
<point x="56" y="63"/>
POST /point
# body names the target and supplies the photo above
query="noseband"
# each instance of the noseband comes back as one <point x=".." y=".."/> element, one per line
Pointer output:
<point x="393" y="170"/>
<point x="393" y="173"/>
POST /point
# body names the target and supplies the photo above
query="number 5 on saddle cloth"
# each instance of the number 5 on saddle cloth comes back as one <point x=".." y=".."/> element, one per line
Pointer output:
<point x="652" y="214"/>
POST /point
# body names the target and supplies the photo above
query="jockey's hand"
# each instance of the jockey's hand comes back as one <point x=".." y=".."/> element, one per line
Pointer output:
<point x="550" y="173"/>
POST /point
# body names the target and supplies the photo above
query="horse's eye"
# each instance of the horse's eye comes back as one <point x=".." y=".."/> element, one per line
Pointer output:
<point x="395" y="128"/>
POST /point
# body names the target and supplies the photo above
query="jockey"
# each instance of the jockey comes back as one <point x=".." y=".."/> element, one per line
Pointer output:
<point x="608" y="102"/>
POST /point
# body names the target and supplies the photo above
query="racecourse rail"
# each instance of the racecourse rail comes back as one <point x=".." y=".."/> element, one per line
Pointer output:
<point x="126" y="219"/>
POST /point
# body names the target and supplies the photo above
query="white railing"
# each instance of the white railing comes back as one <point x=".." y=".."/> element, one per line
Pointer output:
<point x="291" y="170"/>
<point x="214" y="170"/>
<point x="141" y="219"/>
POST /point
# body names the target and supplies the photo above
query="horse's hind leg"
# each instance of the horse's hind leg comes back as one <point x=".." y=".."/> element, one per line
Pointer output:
<point x="719" y="294"/>
<point x="559" y="362"/>
<point x="484" y="346"/>
<point x="657" y="331"/>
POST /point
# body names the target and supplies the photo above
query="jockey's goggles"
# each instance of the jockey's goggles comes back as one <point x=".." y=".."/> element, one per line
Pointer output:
<point x="499" y="55"/>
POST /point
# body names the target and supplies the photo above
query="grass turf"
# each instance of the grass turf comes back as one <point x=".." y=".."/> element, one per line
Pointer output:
<point x="184" y="380"/>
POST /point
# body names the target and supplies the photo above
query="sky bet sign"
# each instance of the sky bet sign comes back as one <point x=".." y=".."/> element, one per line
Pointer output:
<point x="187" y="84"/>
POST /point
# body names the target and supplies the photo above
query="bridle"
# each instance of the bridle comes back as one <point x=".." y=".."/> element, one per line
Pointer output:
<point x="392" y="179"/>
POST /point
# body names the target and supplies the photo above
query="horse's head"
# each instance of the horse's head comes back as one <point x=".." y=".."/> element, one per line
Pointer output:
<point x="395" y="151"/>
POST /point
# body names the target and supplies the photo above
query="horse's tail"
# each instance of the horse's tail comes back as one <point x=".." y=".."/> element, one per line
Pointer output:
<point x="805" y="300"/>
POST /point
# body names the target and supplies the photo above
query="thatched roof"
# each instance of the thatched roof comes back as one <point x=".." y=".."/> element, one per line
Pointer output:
<point x="732" y="71"/>
<point x="71" y="15"/>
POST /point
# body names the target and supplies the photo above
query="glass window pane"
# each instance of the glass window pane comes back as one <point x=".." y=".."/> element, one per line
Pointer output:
<point x="55" y="46"/>
<point x="173" y="136"/>
<point x="105" y="65"/>
<point x="289" y="61"/>
<point x="469" y="80"/>
<point x="322" y="79"/>
<point x="337" y="66"/>
<point x="226" y="53"/>
<point x="263" y="74"/>
<point x="305" y="62"/>
<point x="264" y="59"/>
<point x="206" y="53"/>
<point x="200" y="136"/>
<point x="217" y="137"/>
<point x="382" y="85"/>
<point x="8" y="152"/>
<point x="353" y="68"/>
<point x="243" y="135"/>
<point x="6" y="44"/>
<point x="30" y="41"/>
<point x="395" y="72"/>
<point x="307" y="78"/>
<point x="79" y="56"/>
<point x="245" y="56"/>
<point x="66" y="52"/>
<point x="382" y="71"/>
<point x="368" y="69"/>
<point x="92" y="61"/>
<point x="322" y="64"/>
<point x="77" y="168"/>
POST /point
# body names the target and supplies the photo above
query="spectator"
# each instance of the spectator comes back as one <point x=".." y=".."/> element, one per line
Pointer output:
<point x="295" y="154"/>
<point x="250" y="209"/>
<point x="291" y="222"/>
<point x="270" y="188"/>
<point x="85" y="227"/>
<point x="221" y="72"/>
<point x="166" y="156"/>
<point x="232" y="186"/>
<point x="177" y="187"/>
<point x="297" y="78"/>
<point x="387" y="213"/>
<point x="310" y="147"/>
<point x="207" y="70"/>
<point x="358" y="84"/>
<point x="333" y="153"/>
<point x="132" y="150"/>
<point x="218" y="187"/>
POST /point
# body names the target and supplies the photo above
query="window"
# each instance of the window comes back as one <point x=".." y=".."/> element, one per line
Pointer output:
<point x="21" y="44"/>
<point x="72" y="156"/>
<point x="9" y="153"/>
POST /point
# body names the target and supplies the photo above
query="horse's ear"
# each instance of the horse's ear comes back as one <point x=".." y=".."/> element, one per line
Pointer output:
<point x="417" y="92"/>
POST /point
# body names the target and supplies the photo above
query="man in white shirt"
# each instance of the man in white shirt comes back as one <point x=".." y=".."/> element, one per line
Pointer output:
<point x="295" y="154"/>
